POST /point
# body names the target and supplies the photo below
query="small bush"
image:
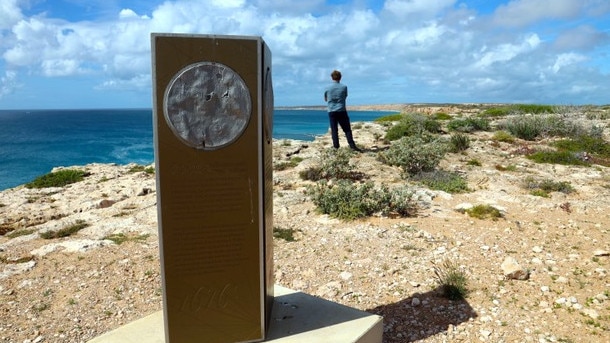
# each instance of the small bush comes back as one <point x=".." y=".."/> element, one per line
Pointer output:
<point x="140" y="168"/>
<point x="440" y="180"/>
<point x="411" y="125"/>
<point x="459" y="142"/>
<point x="557" y="157"/>
<point x="347" y="200"/>
<point x="120" y="238"/>
<point x="19" y="233"/>
<point x="335" y="164"/>
<point x="484" y="212"/>
<point x="544" y="187"/>
<point x="503" y="136"/>
<point x="441" y="116"/>
<point x="452" y="280"/>
<point x="343" y="200"/>
<point x="414" y="154"/>
<point x="474" y="162"/>
<point x="531" y="127"/>
<point x="58" y="179"/>
<point x="389" y="118"/>
<point x="294" y="161"/>
<point x="66" y="231"/>
<point x="496" y="112"/>
<point x="533" y="108"/>
<point x="594" y="145"/>
<point x="527" y="128"/>
<point x="539" y="193"/>
<point x="469" y="124"/>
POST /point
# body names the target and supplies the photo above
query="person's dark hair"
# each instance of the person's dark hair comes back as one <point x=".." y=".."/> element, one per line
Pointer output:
<point x="336" y="75"/>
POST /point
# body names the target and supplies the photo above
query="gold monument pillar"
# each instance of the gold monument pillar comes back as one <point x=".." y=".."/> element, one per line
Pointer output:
<point x="213" y="111"/>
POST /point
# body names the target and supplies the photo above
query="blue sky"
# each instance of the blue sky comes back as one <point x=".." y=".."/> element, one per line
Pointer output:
<point x="96" y="53"/>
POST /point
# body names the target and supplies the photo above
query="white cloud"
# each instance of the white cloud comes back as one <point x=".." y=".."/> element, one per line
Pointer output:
<point x="525" y="12"/>
<point x="564" y="60"/>
<point x="584" y="37"/>
<point x="10" y="13"/>
<point x="423" y="50"/>
<point x="422" y="7"/>
<point x="8" y="83"/>
<point x="506" y="52"/>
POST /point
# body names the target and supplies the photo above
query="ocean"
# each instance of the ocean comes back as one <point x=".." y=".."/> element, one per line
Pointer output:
<point x="33" y="142"/>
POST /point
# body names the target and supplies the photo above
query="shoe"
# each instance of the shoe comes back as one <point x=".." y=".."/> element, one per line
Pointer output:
<point x="356" y="149"/>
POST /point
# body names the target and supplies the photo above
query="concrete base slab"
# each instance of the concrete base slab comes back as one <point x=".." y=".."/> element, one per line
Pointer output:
<point x="296" y="318"/>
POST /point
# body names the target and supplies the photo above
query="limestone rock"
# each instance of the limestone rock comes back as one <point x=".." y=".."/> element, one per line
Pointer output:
<point x="512" y="269"/>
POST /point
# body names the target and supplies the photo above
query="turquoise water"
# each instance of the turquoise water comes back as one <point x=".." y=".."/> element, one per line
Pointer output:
<point x="34" y="142"/>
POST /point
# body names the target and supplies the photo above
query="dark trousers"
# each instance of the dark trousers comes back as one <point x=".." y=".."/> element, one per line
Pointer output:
<point x="340" y="118"/>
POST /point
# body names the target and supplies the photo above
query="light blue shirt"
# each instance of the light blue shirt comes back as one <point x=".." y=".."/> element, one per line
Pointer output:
<point x="335" y="95"/>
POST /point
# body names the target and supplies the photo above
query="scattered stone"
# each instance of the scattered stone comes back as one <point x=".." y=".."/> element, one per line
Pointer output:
<point x="590" y="313"/>
<point x="415" y="302"/>
<point x="512" y="269"/>
<point x="345" y="275"/>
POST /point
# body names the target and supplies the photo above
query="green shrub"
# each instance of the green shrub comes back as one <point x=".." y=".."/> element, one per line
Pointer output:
<point x="18" y="233"/>
<point x="547" y="186"/>
<point x="58" y="179"/>
<point x="414" y="154"/>
<point x="530" y="127"/>
<point x="459" y="142"/>
<point x="533" y="108"/>
<point x="348" y="200"/>
<point x="557" y="157"/>
<point x="66" y="231"/>
<point x="335" y="164"/>
<point x="484" y="212"/>
<point x="468" y="124"/>
<point x="474" y="162"/>
<point x="451" y="280"/>
<point x="503" y="136"/>
<point x="450" y="182"/>
<point x="519" y="108"/>
<point x="294" y="161"/>
<point x="344" y="200"/>
<point x="120" y="238"/>
<point x="140" y="168"/>
<point x="594" y="145"/>
<point x="539" y="193"/>
<point x="496" y="112"/>
<point x="399" y="201"/>
<point x="411" y="125"/>
<point x="389" y="118"/>
<point x="441" y="116"/>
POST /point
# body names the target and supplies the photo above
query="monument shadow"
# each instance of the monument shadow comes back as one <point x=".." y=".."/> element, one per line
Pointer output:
<point x="422" y="315"/>
<point x="299" y="313"/>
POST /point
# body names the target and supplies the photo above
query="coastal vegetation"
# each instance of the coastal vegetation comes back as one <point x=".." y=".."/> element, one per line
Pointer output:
<point x="417" y="143"/>
<point x="58" y="179"/>
<point x="66" y="231"/>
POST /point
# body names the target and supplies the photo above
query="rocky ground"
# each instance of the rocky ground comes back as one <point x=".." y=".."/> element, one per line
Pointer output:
<point x="74" y="288"/>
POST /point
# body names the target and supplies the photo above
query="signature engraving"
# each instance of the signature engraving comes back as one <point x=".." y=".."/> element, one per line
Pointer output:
<point x="210" y="298"/>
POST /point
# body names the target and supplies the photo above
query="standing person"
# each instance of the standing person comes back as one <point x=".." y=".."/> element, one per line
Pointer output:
<point x="335" y="95"/>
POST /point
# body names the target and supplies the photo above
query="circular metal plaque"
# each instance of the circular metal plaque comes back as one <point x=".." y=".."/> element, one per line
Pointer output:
<point x="207" y="105"/>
